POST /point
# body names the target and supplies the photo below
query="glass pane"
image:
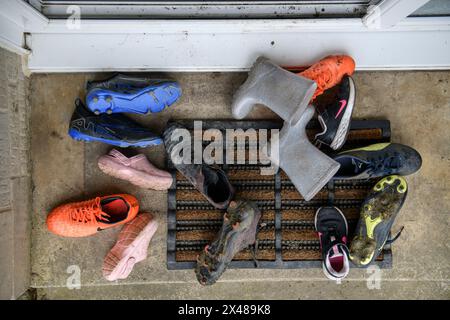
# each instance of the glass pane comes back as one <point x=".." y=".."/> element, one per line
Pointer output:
<point x="433" y="8"/>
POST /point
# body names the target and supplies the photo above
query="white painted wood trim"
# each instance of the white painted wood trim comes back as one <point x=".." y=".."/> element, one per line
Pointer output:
<point x="15" y="17"/>
<point x="390" y="12"/>
<point x="12" y="37"/>
<point x="22" y="14"/>
<point x="416" y="43"/>
<point x="225" y="45"/>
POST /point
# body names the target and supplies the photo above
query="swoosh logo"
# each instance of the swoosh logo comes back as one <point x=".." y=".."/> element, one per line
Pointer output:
<point x="343" y="104"/>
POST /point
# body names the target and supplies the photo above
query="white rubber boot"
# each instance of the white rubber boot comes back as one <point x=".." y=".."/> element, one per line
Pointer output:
<point x="284" y="92"/>
<point x="308" y="168"/>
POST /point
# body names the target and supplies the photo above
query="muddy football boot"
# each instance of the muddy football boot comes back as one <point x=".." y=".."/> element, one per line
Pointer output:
<point x="123" y="93"/>
<point x="378" y="213"/>
<point x="378" y="160"/>
<point x="212" y="182"/>
<point x="331" y="225"/>
<point x="239" y="229"/>
<point x="115" y="129"/>
<point x="335" y="118"/>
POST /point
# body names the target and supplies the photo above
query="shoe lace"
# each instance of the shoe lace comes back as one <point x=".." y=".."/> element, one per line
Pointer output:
<point x="384" y="164"/>
<point x="322" y="77"/>
<point x="88" y="211"/>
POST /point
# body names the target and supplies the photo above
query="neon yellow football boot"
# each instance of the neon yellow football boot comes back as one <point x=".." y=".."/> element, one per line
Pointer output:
<point x="378" y="213"/>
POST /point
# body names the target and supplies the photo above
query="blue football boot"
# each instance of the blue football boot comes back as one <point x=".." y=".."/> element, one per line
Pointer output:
<point x="116" y="129"/>
<point x="126" y="94"/>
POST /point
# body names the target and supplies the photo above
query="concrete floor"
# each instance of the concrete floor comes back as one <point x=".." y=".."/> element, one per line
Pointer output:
<point x="416" y="103"/>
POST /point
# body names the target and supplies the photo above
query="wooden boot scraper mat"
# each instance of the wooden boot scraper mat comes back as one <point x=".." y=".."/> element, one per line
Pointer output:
<point x="286" y="237"/>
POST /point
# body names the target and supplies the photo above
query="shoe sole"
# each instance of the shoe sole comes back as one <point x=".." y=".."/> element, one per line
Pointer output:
<point x="234" y="238"/>
<point x="77" y="135"/>
<point x="138" y="178"/>
<point x="136" y="252"/>
<point x="372" y="222"/>
<point x="150" y="99"/>
<point x="344" y="126"/>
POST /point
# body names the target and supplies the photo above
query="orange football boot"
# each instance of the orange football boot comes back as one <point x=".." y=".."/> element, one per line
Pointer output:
<point x="85" y="218"/>
<point x="328" y="72"/>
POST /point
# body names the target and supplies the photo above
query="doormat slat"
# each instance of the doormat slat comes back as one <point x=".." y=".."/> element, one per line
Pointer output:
<point x="286" y="238"/>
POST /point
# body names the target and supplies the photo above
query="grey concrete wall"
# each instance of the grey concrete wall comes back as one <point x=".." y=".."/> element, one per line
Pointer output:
<point x="15" y="178"/>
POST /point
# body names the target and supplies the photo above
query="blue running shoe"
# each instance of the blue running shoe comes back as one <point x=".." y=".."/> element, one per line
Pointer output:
<point x="116" y="129"/>
<point x="123" y="93"/>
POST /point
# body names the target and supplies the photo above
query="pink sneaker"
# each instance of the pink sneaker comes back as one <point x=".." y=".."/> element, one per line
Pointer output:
<point x="137" y="170"/>
<point x="130" y="248"/>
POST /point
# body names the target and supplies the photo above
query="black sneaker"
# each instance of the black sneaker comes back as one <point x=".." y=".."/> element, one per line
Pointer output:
<point x="239" y="229"/>
<point x="378" y="213"/>
<point x="115" y="129"/>
<point x="335" y="118"/>
<point x="378" y="160"/>
<point x="332" y="228"/>
<point x="211" y="181"/>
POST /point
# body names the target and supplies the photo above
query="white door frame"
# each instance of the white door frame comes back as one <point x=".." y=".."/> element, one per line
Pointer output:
<point x="228" y="45"/>
<point x="388" y="13"/>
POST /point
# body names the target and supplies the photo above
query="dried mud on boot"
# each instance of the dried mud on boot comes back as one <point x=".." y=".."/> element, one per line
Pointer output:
<point x="239" y="229"/>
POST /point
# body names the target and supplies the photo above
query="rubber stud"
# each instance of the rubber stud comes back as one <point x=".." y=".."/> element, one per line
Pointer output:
<point x="109" y="111"/>
<point x="233" y="204"/>
<point x="108" y="99"/>
<point x="95" y="99"/>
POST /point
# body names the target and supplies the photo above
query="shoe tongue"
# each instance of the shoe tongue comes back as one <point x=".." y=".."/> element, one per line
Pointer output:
<point x="100" y="215"/>
<point x="336" y="250"/>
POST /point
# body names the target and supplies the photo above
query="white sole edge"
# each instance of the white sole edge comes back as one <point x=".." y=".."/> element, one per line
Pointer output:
<point x="344" y="126"/>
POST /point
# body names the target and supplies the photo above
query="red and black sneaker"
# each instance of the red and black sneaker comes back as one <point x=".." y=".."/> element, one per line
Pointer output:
<point x="335" y="118"/>
<point x="332" y="228"/>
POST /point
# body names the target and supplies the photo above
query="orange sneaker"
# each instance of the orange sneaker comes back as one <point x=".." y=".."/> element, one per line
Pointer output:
<point x="328" y="72"/>
<point x="85" y="218"/>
